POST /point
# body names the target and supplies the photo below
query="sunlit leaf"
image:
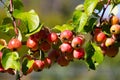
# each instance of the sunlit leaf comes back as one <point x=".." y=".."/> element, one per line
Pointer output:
<point x="63" y="27"/>
<point x="89" y="6"/>
<point x="10" y="60"/>
<point x="94" y="56"/>
<point x="30" y="19"/>
<point x="26" y="64"/>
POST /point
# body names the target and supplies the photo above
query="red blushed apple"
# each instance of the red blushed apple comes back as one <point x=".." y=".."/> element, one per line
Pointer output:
<point x="45" y="46"/>
<point x="14" y="44"/>
<point x="111" y="51"/>
<point x="38" y="65"/>
<point x="62" y="61"/>
<point x="66" y="48"/>
<point x="79" y="53"/>
<point x="109" y="42"/>
<point x="77" y="42"/>
<point x="115" y="29"/>
<point x="100" y="37"/>
<point x="32" y="43"/>
<point x="52" y="37"/>
<point x="66" y="36"/>
<point x="48" y="62"/>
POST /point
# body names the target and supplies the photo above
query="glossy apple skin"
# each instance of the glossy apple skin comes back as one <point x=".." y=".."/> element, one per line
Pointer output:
<point x="66" y="36"/>
<point x="14" y="44"/>
<point x="79" y="53"/>
<point x="38" y="65"/>
<point x="66" y="48"/>
<point x="77" y="42"/>
<point x="115" y="29"/>
<point x="100" y="37"/>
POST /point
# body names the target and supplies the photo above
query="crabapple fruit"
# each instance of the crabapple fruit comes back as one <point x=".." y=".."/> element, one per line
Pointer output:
<point x="47" y="62"/>
<point x="76" y="43"/>
<point x="66" y="36"/>
<point x="14" y="43"/>
<point x="62" y="61"/>
<point x="45" y="46"/>
<point x="52" y="37"/>
<point x="38" y="65"/>
<point x="109" y="42"/>
<point x="66" y="48"/>
<point x="53" y="55"/>
<point x="79" y="53"/>
<point x="112" y="51"/>
<point x="100" y="37"/>
<point x="32" y="43"/>
<point x="115" y="29"/>
<point x="114" y="20"/>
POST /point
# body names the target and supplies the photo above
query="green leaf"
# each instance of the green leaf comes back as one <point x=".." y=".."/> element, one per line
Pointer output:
<point x="26" y="64"/>
<point x="10" y="60"/>
<point x="18" y="4"/>
<point x="63" y="27"/>
<point x="89" y="6"/>
<point x="31" y="20"/>
<point x="94" y="55"/>
<point x="92" y="21"/>
<point x="89" y="53"/>
<point x="6" y="24"/>
<point x="6" y="20"/>
<point x="80" y="18"/>
<point x="98" y="55"/>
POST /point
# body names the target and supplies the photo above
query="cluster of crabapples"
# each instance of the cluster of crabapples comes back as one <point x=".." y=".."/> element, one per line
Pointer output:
<point x="54" y="48"/>
<point x="109" y="43"/>
<point x="46" y="48"/>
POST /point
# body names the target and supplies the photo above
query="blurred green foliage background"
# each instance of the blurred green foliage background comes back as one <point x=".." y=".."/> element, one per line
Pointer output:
<point x="51" y="13"/>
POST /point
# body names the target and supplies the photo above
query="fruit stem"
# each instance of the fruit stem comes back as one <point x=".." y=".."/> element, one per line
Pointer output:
<point x="10" y="9"/>
<point x="13" y="18"/>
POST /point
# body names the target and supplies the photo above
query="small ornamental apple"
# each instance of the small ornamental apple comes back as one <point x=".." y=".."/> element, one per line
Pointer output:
<point x="66" y="48"/>
<point x="32" y="43"/>
<point x="38" y="65"/>
<point x="52" y="37"/>
<point x="14" y="43"/>
<point x="115" y="29"/>
<point x="112" y="51"/>
<point x="43" y="34"/>
<point x="47" y="62"/>
<point x="79" y="53"/>
<point x="77" y="43"/>
<point x="114" y="20"/>
<point x="62" y="61"/>
<point x="109" y="42"/>
<point x="69" y="57"/>
<point x="53" y="55"/>
<point x="66" y="36"/>
<point x="97" y="30"/>
<point x="100" y="37"/>
<point x="45" y="46"/>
